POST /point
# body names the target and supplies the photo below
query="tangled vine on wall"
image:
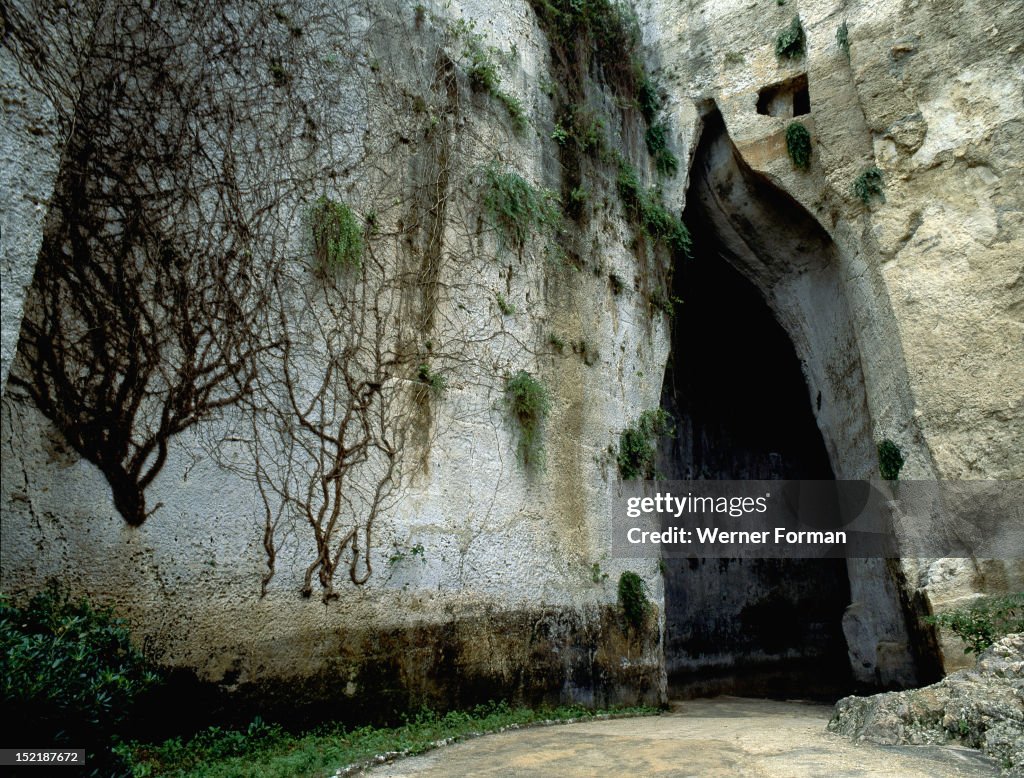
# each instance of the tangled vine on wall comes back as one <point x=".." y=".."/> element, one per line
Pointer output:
<point x="169" y="292"/>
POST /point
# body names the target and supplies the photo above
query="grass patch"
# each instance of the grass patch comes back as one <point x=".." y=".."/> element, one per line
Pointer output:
<point x="269" y="752"/>
<point x="984" y="622"/>
<point x="337" y="236"/>
<point x="798" y="144"/>
<point x="791" y="42"/>
<point x="529" y="402"/>
<point x="515" y="207"/>
<point x="637" y="444"/>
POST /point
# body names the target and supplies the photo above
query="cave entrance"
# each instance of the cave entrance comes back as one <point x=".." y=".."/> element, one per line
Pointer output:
<point x="764" y="382"/>
<point x="745" y="626"/>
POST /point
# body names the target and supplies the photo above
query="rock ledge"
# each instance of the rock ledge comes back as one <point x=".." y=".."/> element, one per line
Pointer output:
<point x="980" y="708"/>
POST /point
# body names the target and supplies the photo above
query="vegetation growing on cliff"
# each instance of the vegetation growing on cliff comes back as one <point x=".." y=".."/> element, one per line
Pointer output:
<point x="798" y="144"/>
<point x="646" y="208"/>
<point x="515" y="207"/>
<point x="984" y="621"/>
<point x="843" y="38"/>
<point x="529" y="403"/>
<point x="869" y="184"/>
<point x="890" y="460"/>
<point x="791" y="42"/>
<point x="638" y="444"/>
<point x="482" y="71"/>
<point x="665" y="161"/>
<point x="633" y="599"/>
<point x="337" y="236"/>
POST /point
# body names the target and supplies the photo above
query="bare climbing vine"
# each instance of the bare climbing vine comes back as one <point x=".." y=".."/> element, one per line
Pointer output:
<point x="180" y="281"/>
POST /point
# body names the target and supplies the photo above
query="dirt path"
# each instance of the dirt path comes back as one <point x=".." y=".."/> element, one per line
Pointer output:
<point x="720" y="737"/>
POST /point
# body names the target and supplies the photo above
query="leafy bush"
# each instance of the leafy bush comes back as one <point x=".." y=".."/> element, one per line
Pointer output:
<point x="337" y="236"/>
<point x="790" y="43"/>
<point x="647" y="97"/>
<point x="890" y="460"/>
<point x="529" y="403"/>
<point x="637" y="444"/>
<point x="984" y="622"/>
<point x="869" y="184"/>
<point x="798" y="144"/>
<point x="69" y="674"/>
<point x="633" y="599"/>
<point x="515" y="206"/>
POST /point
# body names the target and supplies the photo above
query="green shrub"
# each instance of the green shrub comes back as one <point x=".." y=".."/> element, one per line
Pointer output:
<point x="798" y="144"/>
<point x="337" y="236"/>
<point x="515" y="207"/>
<point x="790" y="43"/>
<point x="657" y="146"/>
<point x="529" y="403"/>
<point x="984" y="622"/>
<point x="603" y="30"/>
<point x="637" y="444"/>
<point x="665" y="303"/>
<point x="70" y="675"/>
<point x="633" y="599"/>
<point x="890" y="460"/>
<point x="869" y="184"/>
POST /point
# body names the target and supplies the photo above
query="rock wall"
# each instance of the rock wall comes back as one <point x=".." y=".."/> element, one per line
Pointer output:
<point x="489" y="578"/>
<point x="907" y="323"/>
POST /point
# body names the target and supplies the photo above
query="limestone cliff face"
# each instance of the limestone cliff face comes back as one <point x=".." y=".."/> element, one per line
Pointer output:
<point x="905" y="316"/>
<point x="924" y="291"/>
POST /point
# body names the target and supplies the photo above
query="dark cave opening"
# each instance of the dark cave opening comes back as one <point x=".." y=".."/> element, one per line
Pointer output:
<point x="735" y="386"/>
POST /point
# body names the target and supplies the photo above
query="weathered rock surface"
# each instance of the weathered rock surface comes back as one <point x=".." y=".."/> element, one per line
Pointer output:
<point x="907" y="327"/>
<point x="981" y="708"/>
